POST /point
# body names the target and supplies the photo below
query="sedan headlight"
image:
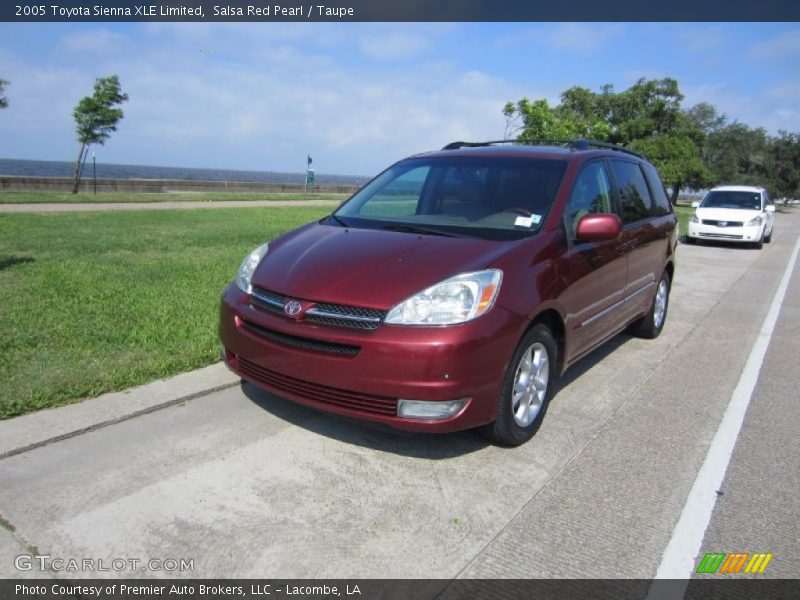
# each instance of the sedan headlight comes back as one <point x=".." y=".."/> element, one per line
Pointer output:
<point x="248" y="267"/>
<point x="455" y="300"/>
<point x="755" y="222"/>
<point x="693" y="218"/>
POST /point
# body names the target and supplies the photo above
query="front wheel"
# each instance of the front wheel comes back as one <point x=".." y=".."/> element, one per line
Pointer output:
<point x="650" y="325"/>
<point x="768" y="238"/>
<point x="527" y="389"/>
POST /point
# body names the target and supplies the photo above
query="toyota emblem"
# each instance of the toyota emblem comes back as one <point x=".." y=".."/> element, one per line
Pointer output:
<point x="292" y="308"/>
<point x="723" y="223"/>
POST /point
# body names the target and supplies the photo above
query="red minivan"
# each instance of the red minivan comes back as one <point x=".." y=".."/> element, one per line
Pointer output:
<point x="453" y="289"/>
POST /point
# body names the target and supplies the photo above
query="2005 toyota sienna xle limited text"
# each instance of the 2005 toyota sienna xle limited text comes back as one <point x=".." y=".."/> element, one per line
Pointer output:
<point x="453" y="289"/>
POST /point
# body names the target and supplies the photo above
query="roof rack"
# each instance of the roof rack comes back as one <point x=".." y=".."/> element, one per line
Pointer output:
<point x="580" y="144"/>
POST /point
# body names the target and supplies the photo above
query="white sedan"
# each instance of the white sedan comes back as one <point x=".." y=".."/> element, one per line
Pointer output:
<point x="733" y="213"/>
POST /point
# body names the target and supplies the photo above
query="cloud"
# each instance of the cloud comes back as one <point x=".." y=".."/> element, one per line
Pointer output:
<point x="576" y="38"/>
<point x="782" y="45"/>
<point x="788" y="92"/>
<point x="263" y="108"/>
<point x="99" y="41"/>
<point x="393" y="46"/>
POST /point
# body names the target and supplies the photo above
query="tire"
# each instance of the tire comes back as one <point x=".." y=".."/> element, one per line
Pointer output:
<point x="768" y="238"/>
<point x="650" y="325"/>
<point x="532" y="372"/>
<point x="689" y="240"/>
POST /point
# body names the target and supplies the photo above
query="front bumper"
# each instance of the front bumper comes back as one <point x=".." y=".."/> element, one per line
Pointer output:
<point x="745" y="233"/>
<point x="362" y="374"/>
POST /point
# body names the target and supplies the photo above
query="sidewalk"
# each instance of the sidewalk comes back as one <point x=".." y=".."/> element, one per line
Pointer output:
<point x="101" y="206"/>
<point x="43" y="427"/>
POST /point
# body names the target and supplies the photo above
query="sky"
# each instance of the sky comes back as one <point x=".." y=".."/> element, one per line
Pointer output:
<point x="359" y="96"/>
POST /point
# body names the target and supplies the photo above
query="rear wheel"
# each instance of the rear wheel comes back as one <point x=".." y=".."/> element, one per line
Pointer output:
<point x="527" y="389"/>
<point x="650" y="325"/>
<point x="689" y="240"/>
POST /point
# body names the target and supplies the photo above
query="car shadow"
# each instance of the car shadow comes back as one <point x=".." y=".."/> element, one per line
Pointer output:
<point x="364" y="433"/>
<point x="11" y="261"/>
<point x="590" y="360"/>
<point x="386" y="439"/>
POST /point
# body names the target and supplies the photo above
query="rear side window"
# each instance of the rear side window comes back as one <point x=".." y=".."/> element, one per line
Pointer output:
<point x="657" y="189"/>
<point x="633" y="193"/>
<point x="591" y="194"/>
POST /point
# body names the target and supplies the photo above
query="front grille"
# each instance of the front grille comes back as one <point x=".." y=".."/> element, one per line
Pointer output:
<point x="302" y="342"/>
<point x="266" y="299"/>
<point x="722" y="223"/>
<point x="322" y="313"/>
<point x="724" y="236"/>
<point x="278" y="382"/>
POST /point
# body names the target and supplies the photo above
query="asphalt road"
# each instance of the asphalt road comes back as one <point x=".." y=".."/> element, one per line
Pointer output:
<point x="247" y="484"/>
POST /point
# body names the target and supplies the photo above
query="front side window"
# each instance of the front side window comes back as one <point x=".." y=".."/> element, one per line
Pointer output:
<point x="399" y="197"/>
<point x="488" y="197"/>
<point x="633" y="193"/>
<point x="591" y="194"/>
<point x="732" y="199"/>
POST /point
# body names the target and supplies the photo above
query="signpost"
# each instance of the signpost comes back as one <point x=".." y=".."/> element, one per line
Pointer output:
<point x="309" y="173"/>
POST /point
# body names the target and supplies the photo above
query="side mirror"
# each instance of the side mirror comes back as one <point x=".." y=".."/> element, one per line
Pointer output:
<point x="695" y="205"/>
<point x="598" y="228"/>
<point x="770" y="208"/>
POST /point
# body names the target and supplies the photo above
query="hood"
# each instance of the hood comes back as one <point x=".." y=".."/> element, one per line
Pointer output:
<point x="727" y="214"/>
<point x="368" y="267"/>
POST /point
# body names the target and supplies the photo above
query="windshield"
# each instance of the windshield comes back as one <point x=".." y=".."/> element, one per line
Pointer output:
<point x="730" y="199"/>
<point x="488" y="197"/>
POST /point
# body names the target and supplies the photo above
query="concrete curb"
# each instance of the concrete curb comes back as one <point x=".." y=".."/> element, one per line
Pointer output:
<point x="34" y="430"/>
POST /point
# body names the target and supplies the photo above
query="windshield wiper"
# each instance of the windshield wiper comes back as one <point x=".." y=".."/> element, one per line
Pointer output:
<point x="420" y="230"/>
<point x="338" y="220"/>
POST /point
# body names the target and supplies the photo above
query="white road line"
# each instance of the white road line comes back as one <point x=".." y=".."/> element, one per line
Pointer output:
<point x="680" y="554"/>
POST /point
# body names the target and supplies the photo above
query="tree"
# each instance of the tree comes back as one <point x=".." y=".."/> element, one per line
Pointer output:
<point x="736" y="154"/>
<point x="785" y="167"/>
<point x="3" y="99"/>
<point x="96" y="117"/>
<point x="647" y="116"/>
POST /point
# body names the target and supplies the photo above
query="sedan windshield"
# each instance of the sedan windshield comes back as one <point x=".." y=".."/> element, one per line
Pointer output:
<point x="488" y="197"/>
<point x="731" y="199"/>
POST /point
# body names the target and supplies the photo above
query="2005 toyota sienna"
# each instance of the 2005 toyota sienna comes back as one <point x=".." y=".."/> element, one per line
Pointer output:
<point x="452" y="290"/>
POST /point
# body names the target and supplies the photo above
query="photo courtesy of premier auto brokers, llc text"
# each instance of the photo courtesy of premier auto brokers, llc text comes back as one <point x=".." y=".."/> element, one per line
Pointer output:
<point x="386" y="301"/>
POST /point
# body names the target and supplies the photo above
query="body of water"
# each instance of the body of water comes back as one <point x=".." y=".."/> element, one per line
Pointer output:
<point x="50" y="168"/>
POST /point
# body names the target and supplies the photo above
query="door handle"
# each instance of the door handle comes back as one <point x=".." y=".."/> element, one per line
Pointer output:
<point x="622" y="248"/>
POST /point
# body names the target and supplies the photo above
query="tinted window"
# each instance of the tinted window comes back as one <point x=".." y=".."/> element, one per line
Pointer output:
<point x="591" y="194"/>
<point x="633" y="194"/>
<point x="476" y="196"/>
<point x="658" y="191"/>
<point x="732" y="199"/>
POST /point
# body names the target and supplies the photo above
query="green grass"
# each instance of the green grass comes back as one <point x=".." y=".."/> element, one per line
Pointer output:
<point x="67" y="198"/>
<point x="683" y="213"/>
<point x="92" y="302"/>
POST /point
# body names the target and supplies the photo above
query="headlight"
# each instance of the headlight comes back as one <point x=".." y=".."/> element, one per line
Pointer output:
<point x="455" y="300"/>
<point x="248" y="267"/>
<point x="693" y="218"/>
<point x="755" y="222"/>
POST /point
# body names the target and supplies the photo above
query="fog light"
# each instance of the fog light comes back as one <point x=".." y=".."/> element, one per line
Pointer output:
<point x="419" y="409"/>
